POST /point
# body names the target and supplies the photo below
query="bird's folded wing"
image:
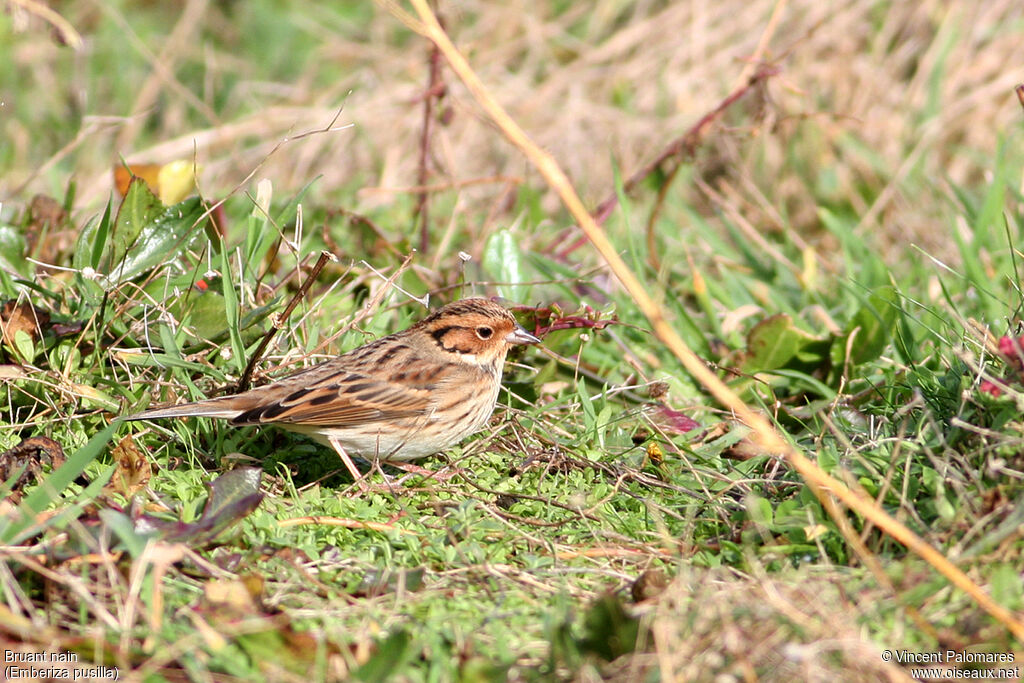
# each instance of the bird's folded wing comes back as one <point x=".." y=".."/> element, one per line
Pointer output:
<point x="353" y="402"/>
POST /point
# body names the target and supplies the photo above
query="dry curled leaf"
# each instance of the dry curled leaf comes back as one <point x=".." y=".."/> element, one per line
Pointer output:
<point x="650" y="584"/>
<point x="132" y="471"/>
<point x="22" y="317"/>
<point x="239" y="597"/>
<point x="27" y="458"/>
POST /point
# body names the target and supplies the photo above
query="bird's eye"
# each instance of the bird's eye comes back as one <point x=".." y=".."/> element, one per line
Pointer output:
<point x="484" y="332"/>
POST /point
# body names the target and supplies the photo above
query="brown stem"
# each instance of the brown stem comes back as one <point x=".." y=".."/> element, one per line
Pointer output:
<point x="243" y="382"/>
<point x="435" y="90"/>
<point x="687" y="143"/>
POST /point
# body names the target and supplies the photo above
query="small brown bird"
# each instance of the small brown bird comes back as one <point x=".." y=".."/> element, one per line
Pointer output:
<point x="399" y="398"/>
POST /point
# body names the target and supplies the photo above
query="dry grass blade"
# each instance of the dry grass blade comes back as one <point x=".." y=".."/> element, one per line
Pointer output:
<point x="769" y="438"/>
<point x="62" y="26"/>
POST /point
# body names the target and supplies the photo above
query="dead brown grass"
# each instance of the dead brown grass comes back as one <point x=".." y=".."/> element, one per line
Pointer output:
<point x="792" y="626"/>
<point x="882" y="96"/>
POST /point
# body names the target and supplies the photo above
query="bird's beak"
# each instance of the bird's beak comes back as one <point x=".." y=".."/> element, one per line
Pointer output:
<point x="521" y="336"/>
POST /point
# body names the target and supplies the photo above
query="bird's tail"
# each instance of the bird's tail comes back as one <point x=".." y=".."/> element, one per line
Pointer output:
<point x="214" y="407"/>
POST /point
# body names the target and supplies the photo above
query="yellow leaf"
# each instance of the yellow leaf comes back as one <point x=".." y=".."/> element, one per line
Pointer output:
<point x="176" y="181"/>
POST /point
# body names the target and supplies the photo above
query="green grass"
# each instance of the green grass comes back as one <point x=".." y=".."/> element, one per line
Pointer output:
<point x="867" y="351"/>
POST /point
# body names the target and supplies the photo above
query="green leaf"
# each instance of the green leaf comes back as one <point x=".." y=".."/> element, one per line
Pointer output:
<point x="610" y="630"/>
<point x="871" y="326"/>
<point x="103" y="244"/>
<point x="943" y="507"/>
<point x="260" y="234"/>
<point x="602" y="422"/>
<point x="1004" y="580"/>
<point x="12" y="250"/>
<point x="504" y="261"/>
<point x="73" y="511"/>
<point x="25" y="347"/>
<point x="164" y="360"/>
<point x="91" y="241"/>
<point x="233" y="496"/>
<point x="391" y="655"/>
<point x="136" y="213"/>
<point x="144" y="234"/>
<point x="759" y="509"/>
<point x="379" y="582"/>
<point x="589" y="413"/>
<point x="99" y="244"/>
<point x="164" y="235"/>
<point x="772" y="343"/>
<point x="231" y="311"/>
<point x="205" y="314"/>
<point x="122" y="526"/>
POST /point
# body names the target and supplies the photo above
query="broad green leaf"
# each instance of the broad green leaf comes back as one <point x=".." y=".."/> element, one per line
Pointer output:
<point x="25" y="347"/>
<point x="759" y="509"/>
<point x="205" y="314"/>
<point x="1004" y="579"/>
<point x="166" y="234"/>
<point x="943" y="507"/>
<point x="144" y="234"/>
<point x="772" y="343"/>
<point x="233" y="495"/>
<point x="391" y="655"/>
<point x="138" y="210"/>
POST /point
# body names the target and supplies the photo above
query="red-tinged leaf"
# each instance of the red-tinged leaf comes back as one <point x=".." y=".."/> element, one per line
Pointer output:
<point x="1012" y="350"/>
<point x="991" y="388"/>
<point x="676" y="420"/>
<point x="569" y="322"/>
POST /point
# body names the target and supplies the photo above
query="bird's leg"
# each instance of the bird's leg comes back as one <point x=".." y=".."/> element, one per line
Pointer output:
<point x="360" y="479"/>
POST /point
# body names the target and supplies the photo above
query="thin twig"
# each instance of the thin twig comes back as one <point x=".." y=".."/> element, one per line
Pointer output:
<point x="374" y="301"/>
<point x="435" y="90"/>
<point x="685" y="144"/>
<point x="683" y="147"/>
<point x="243" y="381"/>
<point x="67" y="33"/>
